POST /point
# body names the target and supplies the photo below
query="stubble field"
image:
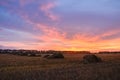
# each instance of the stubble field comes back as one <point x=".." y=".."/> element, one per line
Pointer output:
<point x="13" y="67"/>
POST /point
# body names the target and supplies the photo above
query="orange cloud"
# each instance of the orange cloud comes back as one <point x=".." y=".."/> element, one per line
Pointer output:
<point x="58" y="40"/>
<point x="54" y="39"/>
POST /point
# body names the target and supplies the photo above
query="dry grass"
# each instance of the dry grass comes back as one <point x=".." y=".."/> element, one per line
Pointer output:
<point x="37" y="68"/>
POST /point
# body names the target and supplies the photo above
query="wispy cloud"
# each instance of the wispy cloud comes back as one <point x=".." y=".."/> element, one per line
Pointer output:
<point x="25" y="2"/>
<point x="47" y="9"/>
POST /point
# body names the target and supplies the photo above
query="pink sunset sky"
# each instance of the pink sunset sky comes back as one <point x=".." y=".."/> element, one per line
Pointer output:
<point x="76" y="25"/>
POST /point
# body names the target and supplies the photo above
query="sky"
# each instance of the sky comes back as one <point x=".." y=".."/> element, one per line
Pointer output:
<point x="72" y="25"/>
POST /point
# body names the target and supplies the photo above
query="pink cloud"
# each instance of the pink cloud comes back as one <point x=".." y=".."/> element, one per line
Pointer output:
<point x="0" y="29"/>
<point x="25" y="2"/>
<point x="105" y="34"/>
<point x="50" y="33"/>
<point x="47" y="9"/>
<point x="18" y="45"/>
<point x="54" y="39"/>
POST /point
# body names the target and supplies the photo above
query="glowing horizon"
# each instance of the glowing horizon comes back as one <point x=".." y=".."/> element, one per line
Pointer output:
<point x="72" y="25"/>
